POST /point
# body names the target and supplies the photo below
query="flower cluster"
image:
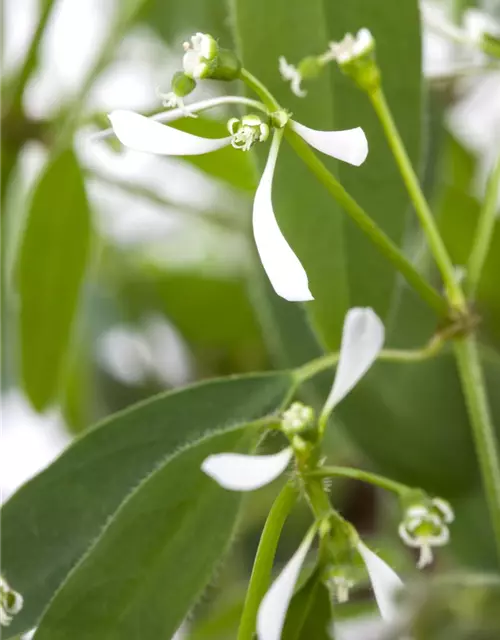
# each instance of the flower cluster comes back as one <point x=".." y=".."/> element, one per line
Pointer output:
<point x="11" y="603"/>
<point x="362" y="340"/>
<point x="425" y="526"/>
<point x="284" y="269"/>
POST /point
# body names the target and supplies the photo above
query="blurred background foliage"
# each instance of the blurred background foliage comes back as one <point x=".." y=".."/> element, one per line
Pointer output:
<point x="124" y="274"/>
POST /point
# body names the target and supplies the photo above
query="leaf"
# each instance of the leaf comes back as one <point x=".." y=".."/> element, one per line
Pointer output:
<point x="142" y="576"/>
<point x="52" y="520"/>
<point x="310" y="614"/>
<point x="343" y="268"/>
<point x="52" y="261"/>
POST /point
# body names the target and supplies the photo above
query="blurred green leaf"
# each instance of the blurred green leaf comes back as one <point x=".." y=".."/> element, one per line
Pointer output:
<point x="50" y="522"/>
<point x="343" y="268"/>
<point x="52" y="261"/>
<point x="160" y="550"/>
<point x="310" y="614"/>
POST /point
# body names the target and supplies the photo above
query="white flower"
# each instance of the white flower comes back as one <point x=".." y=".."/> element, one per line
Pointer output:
<point x="351" y="47"/>
<point x="385" y="582"/>
<point x="362" y="341"/>
<point x="11" y="603"/>
<point x="239" y="472"/>
<point x="291" y="74"/>
<point x="247" y="131"/>
<point x="200" y="55"/>
<point x="274" y="605"/>
<point x="425" y="526"/>
<point x="282" y="266"/>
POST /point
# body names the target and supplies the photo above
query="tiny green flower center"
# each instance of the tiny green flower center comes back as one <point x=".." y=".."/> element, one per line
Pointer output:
<point x="247" y="131"/>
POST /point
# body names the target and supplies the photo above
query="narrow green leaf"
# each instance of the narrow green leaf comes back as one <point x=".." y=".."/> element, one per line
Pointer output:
<point x="145" y="572"/>
<point x="343" y="268"/>
<point x="52" y="520"/>
<point x="310" y="614"/>
<point x="52" y="261"/>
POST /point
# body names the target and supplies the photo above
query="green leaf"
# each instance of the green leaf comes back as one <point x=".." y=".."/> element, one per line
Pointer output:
<point x="52" y="520"/>
<point x="343" y="268"/>
<point x="52" y="261"/>
<point x="145" y="572"/>
<point x="310" y="614"/>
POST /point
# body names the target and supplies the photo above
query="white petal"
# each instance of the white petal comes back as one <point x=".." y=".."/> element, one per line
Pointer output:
<point x="240" y="472"/>
<point x="282" y="266"/>
<point x="349" y="146"/>
<point x="144" y="134"/>
<point x="272" y="611"/>
<point x="362" y="341"/>
<point x="385" y="582"/>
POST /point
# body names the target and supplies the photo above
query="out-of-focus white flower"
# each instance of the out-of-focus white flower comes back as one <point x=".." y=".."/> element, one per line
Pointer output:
<point x="362" y="340"/>
<point x="282" y="266"/>
<point x="291" y="74"/>
<point x="351" y="47"/>
<point x="425" y="526"/>
<point x="11" y="603"/>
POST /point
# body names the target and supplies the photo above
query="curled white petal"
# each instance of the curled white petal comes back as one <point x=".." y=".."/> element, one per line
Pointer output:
<point x="385" y="582"/>
<point x="144" y="134"/>
<point x="272" y="611"/>
<point x="362" y="341"/>
<point x="282" y="266"/>
<point x="239" y="472"/>
<point x="349" y="146"/>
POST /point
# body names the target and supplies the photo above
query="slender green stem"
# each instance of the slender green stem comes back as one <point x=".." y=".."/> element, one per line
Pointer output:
<point x="363" y="476"/>
<point x="312" y="368"/>
<point x="484" y="232"/>
<point x="260" y="89"/>
<point x="367" y="225"/>
<point x="261" y="573"/>
<point x="473" y="385"/>
<point x="30" y="61"/>
<point x="436" y="244"/>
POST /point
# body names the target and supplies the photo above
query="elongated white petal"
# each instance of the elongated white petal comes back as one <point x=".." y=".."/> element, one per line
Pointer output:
<point x="282" y="266"/>
<point x="144" y="134"/>
<point x="362" y="341"/>
<point x="385" y="582"/>
<point x="240" y="472"/>
<point x="272" y="611"/>
<point x="349" y="146"/>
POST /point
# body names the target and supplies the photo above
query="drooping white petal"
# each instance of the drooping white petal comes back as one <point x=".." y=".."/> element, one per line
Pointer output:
<point x="362" y="341"/>
<point x="385" y="582"/>
<point x="349" y="146"/>
<point x="282" y="266"/>
<point x="144" y="134"/>
<point x="240" y="472"/>
<point x="272" y="611"/>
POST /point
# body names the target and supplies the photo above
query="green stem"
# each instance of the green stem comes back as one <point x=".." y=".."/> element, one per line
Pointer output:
<point x="473" y="385"/>
<point x="261" y="573"/>
<point x="312" y="368"/>
<point x="484" y="233"/>
<point x="260" y="89"/>
<point x="14" y="101"/>
<point x="436" y="244"/>
<point x="363" y="476"/>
